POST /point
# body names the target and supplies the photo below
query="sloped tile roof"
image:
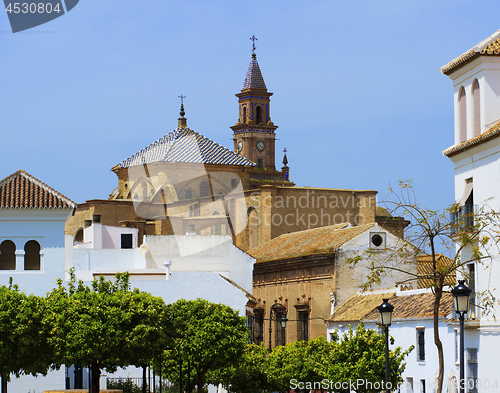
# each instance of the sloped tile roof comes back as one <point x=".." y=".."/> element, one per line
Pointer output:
<point x="23" y="191"/>
<point x="363" y="307"/>
<point x="488" y="47"/>
<point x="254" y="77"/>
<point x="424" y="268"/>
<point x="312" y="241"/>
<point x="185" y="145"/>
<point x="491" y="133"/>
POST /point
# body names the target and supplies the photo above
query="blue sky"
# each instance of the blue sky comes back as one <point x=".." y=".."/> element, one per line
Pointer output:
<point x="358" y="96"/>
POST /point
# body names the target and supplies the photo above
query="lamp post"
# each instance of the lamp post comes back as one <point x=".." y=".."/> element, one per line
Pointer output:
<point x="386" y="310"/>
<point x="282" y="321"/>
<point x="461" y="297"/>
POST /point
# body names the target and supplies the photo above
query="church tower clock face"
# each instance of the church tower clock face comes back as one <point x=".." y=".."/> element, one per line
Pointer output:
<point x="261" y="145"/>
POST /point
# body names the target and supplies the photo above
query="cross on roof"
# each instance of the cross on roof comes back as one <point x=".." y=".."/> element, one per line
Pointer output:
<point x="182" y="104"/>
<point x="253" y="38"/>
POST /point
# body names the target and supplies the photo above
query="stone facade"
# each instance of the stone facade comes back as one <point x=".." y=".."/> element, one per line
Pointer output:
<point x="309" y="273"/>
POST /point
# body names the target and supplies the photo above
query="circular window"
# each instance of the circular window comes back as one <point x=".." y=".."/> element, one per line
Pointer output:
<point x="377" y="240"/>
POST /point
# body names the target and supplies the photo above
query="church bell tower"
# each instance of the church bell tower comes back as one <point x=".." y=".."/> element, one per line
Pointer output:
<point x="254" y="133"/>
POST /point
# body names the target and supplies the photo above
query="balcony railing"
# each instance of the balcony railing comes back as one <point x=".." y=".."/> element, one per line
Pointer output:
<point x="462" y="220"/>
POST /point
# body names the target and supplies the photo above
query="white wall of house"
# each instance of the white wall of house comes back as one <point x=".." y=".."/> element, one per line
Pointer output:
<point x="487" y="72"/>
<point x="481" y="163"/>
<point x="351" y="277"/>
<point x="46" y="226"/>
<point x="197" y="275"/>
<point x="97" y="236"/>
<point x="404" y="331"/>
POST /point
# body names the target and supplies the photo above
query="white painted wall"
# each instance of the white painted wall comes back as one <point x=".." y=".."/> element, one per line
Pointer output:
<point x="404" y="332"/>
<point x="482" y="163"/>
<point x="487" y="71"/>
<point x="99" y="236"/>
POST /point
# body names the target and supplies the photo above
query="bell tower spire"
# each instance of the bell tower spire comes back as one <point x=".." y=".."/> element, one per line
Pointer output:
<point x="254" y="133"/>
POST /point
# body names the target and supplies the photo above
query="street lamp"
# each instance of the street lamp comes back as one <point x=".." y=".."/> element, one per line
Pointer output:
<point x="386" y="310"/>
<point x="461" y="297"/>
<point x="283" y="320"/>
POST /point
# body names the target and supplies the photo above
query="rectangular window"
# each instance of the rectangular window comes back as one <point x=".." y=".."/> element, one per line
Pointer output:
<point x="456" y="345"/>
<point x="259" y="329"/>
<point x="471" y="385"/>
<point x="303" y="325"/>
<point x="126" y="240"/>
<point x="250" y="326"/>
<point x="409" y="385"/>
<point x="420" y="345"/>
<point x="471" y="284"/>
<point x="422" y="385"/>
<point x="260" y="163"/>
<point x="279" y="337"/>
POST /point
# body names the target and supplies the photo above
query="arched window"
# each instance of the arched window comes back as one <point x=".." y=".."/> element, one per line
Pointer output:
<point x="462" y="116"/>
<point x="188" y="194"/>
<point x="204" y="189"/>
<point x="244" y="115"/>
<point x="32" y="255"/>
<point x="258" y="114"/>
<point x="217" y="230"/>
<point x="79" y="235"/>
<point x="7" y="255"/>
<point x="476" y="109"/>
<point x="144" y="191"/>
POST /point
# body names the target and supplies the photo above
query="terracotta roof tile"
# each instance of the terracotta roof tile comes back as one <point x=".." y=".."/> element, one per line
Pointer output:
<point x="23" y="191"/>
<point x="364" y="306"/>
<point x="312" y="241"/>
<point x="424" y="270"/>
<point x="488" y="47"/>
<point x="491" y="133"/>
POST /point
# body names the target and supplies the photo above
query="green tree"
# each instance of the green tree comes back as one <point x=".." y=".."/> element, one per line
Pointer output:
<point x="301" y="361"/>
<point x="23" y="344"/>
<point x="249" y="375"/>
<point x="360" y="355"/>
<point x="106" y="325"/>
<point x="207" y="335"/>
<point x="464" y="238"/>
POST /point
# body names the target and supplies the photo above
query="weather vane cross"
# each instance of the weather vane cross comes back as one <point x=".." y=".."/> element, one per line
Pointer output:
<point x="182" y="96"/>
<point x="253" y="38"/>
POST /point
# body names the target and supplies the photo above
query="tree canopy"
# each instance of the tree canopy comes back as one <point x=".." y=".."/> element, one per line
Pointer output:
<point x="317" y="365"/>
<point x="23" y="344"/>
<point x="205" y="335"/>
<point x="106" y="325"/>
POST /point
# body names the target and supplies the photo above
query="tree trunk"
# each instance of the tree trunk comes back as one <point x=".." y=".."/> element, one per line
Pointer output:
<point x="437" y="301"/>
<point x="96" y="375"/>
<point x="199" y="383"/>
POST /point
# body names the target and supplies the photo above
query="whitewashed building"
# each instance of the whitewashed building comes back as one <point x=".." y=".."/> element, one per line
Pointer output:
<point x="35" y="252"/>
<point x="476" y="158"/>
<point x="32" y="219"/>
<point x="412" y="324"/>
